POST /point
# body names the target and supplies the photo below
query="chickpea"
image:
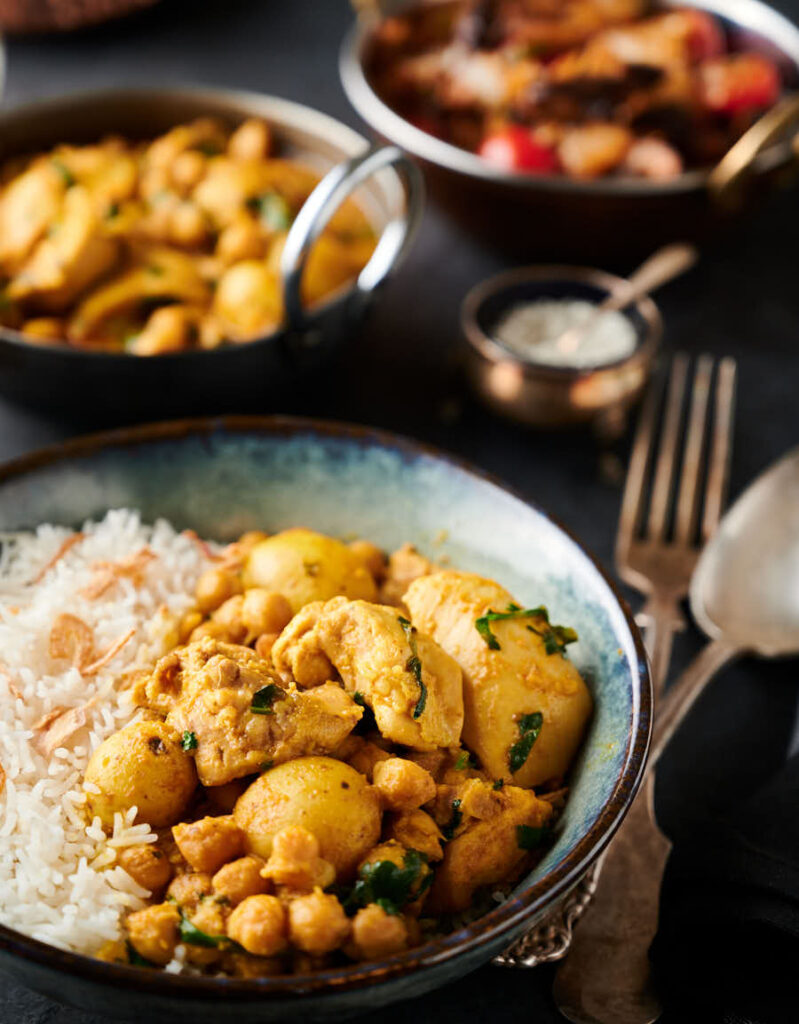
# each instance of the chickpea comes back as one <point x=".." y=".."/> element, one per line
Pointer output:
<point x="265" y="643"/>
<point x="241" y="240"/>
<point x="187" y="225"/>
<point x="258" y="924"/>
<point x="366" y="758"/>
<point x="264" y="611"/>
<point x="189" y="622"/>
<point x="146" y="865"/>
<point x="317" y="923"/>
<point x="403" y="785"/>
<point x="376" y="934"/>
<point x="371" y="556"/>
<point x="167" y="330"/>
<point x="209" y="917"/>
<point x="250" y="141"/>
<point x="188" y="890"/>
<point x="213" y="629"/>
<point x="224" y="797"/>
<point x="154" y="932"/>
<point x="44" y="329"/>
<point x="239" y="879"/>
<point x="295" y="861"/>
<point x="214" y="587"/>
<point x="188" y="169"/>
<point x="229" y="616"/>
<point x="209" y="843"/>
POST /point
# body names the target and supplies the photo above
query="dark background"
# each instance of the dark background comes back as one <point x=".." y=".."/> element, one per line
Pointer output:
<point x="402" y="374"/>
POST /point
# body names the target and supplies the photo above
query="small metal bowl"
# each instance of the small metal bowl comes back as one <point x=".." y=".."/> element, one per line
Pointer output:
<point x="540" y="395"/>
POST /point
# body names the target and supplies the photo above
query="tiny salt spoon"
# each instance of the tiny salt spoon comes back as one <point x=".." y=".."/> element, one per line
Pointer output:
<point x="661" y="267"/>
<point x="745" y="596"/>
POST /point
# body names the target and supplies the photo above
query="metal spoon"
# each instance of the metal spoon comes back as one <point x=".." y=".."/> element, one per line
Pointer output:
<point x="745" y="596"/>
<point x="661" y="267"/>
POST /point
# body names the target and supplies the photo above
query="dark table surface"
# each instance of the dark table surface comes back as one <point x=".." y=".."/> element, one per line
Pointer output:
<point x="402" y="374"/>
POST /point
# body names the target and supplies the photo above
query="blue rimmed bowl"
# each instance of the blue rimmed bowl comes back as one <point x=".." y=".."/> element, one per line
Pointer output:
<point x="223" y="476"/>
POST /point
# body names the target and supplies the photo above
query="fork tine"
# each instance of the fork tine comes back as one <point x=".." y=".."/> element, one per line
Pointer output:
<point x="687" y="498"/>
<point x="667" y="456"/>
<point x="719" y="463"/>
<point x="631" y="503"/>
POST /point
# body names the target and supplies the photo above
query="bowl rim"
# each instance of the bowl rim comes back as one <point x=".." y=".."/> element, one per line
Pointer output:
<point x="249" y="102"/>
<point x="768" y="22"/>
<point x="495" y="352"/>
<point x="492" y="926"/>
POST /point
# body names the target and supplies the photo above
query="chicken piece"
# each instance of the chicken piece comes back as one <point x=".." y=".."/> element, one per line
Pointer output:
<point x="209" y="843"/>
<point x="75" y="253"/>
<point x="404" y="566"/>
<point x="205" y="134"/>
<point x="232" y="702"/>
<point x="591" y="150"/>
<point x="415" y="830"/>
<point x="168" y="329"/>
<point x="503" y="686"/>
<point x="248" y="301"/>
<point x="413" y="687"/>
<point x="29" y="204"/>
<point x="487" y="850"/>
<point x="161" y="274"/>
<point x="403" y="785"/>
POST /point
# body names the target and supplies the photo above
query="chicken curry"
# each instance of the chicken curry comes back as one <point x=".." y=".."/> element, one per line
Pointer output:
<point x="341" y="753"/>
<point x="162" y="246"/>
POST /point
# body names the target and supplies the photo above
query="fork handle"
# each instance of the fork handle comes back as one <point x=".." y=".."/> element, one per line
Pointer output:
<point x="660" y="619"/>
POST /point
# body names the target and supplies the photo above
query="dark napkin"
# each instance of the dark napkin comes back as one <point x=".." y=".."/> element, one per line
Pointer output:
<point x="728" y="941"/>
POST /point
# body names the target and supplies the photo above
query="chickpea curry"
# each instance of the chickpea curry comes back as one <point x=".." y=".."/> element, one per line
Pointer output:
<point x="341" y="754"/>
<point x="582" y="88"/>
<point x="162" y="246"/>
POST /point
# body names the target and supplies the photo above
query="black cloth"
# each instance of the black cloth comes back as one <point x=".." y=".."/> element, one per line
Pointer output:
<point x="728" y="943"/>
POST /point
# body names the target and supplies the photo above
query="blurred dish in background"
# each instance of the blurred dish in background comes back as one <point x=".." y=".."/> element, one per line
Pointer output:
<point x="590" y="214"/>
<point x="61" y="15"/>
<point x="163" y="246"/>
<point x="585" y="88"/>
<point x="106" y="385"/>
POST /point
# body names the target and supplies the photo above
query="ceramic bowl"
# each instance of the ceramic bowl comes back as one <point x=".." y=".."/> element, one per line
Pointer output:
<point x="227" y="475"/>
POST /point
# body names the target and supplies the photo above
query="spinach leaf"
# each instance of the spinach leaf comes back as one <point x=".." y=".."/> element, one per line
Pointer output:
<point x="414" y="664"/>
<point x="529" y="728"/>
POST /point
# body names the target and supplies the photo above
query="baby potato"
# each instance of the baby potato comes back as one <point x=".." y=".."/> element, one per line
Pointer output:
<point x="327" y="797"/>
<point x="305" y="566"/>
<point x="142" y="765"/>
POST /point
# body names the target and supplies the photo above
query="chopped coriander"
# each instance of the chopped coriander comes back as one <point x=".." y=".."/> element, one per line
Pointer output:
<point x="529" y="728"/>
<point x="267" y="765"/>
<point x="189" y="741"/>
<point x="528" y="837"/>
<point x="272" y="209"/>
<point x="464" y="761"/>
<point x="155" y="270"/>
<point x="208" y="148"/>
<point x="448" y="831"/>
<point x="68" y="177"/>
<point x="263" y="699"/>
<point x="555" y="637"/>
<point x="193" y="936"/>
<point x="498" y="784"/>
<point x="112" y="211"/>
<point x="390" y="886"/>
<point x="414" y="664"/>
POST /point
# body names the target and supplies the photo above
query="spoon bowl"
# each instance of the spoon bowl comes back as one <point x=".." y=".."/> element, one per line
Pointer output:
<point x="746" y="584"/>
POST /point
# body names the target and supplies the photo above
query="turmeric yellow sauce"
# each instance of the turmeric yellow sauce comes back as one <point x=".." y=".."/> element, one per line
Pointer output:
<point x="341" y="752"/>
<point x="163" y="246"/>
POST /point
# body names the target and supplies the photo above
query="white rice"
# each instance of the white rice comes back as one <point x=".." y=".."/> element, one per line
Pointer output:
<point x="58" y="878"/>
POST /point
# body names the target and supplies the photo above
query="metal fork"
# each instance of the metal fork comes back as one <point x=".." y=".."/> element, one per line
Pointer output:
<point x="606" y="977"/>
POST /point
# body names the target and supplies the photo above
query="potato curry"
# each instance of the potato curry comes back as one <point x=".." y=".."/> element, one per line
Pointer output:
<point x="162" y="246"/>
<point x="340" y="753"/>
